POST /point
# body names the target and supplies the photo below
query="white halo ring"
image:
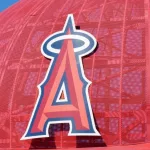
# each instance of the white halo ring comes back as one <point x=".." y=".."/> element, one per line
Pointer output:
<point x="64" y="37"/>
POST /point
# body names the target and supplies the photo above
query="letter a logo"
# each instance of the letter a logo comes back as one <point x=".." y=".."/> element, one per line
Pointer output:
<point x="63" y="94"/>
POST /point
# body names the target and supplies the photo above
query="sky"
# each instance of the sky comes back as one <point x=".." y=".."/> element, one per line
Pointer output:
<point x="4" y="4"/>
